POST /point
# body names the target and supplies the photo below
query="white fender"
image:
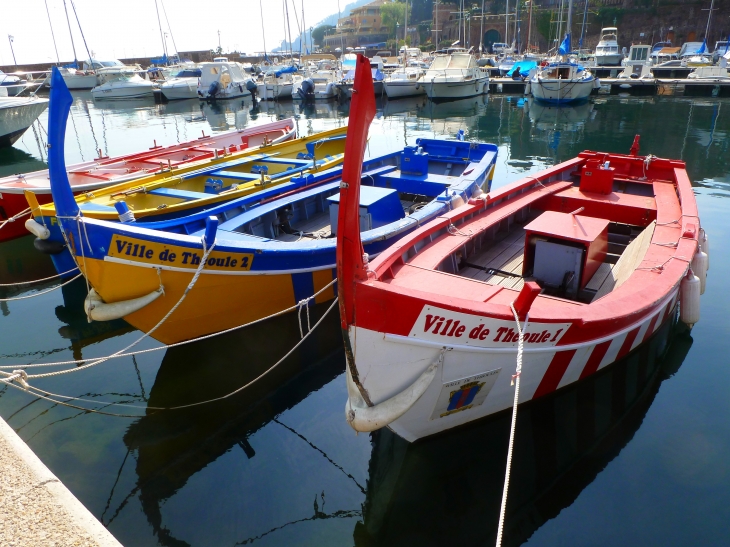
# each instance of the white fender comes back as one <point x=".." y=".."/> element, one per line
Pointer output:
<point x="705" y="245"/>
<point x="37" y="229"/>
<point x="364" y="418"/>
<point x="689" y="299"/>
<point x="98" y="310"/>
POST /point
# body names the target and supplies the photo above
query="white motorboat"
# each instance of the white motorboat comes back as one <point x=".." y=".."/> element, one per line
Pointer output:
<point x="122" y="84"/>
<point x="277" y="83"/>
<point x="79" y="79"/>
<point x="638" y="63"/>
<point x="12" y="85"/>
<point x="506" y="64"/>
<point x="321" y="84"/>
<point x="405" y="82"/>
<point x="718" y="73"/>
<point x="455" y="76"/>
<point x="608" y="52"/>
<point x="563" y="83"/>
<point x="224" y="80"/>
<point x="17" y="114"/>
<point x="182" y="85"/>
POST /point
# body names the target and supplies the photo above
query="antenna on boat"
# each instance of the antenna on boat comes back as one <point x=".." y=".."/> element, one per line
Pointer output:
<point x="351" y="262"/>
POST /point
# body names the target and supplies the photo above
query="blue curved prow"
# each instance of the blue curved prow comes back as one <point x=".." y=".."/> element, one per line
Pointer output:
<point x="58" y="109"/>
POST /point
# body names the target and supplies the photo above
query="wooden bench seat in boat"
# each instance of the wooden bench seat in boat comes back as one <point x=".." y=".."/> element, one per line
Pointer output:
<point x="433" y="254"/>
<point x="235" y="175"/>
<point x="260" y="210"/>
<point x="91" y="206"/>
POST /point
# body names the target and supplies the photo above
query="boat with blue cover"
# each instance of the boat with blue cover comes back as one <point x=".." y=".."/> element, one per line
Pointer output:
<point x="262" y="253"/>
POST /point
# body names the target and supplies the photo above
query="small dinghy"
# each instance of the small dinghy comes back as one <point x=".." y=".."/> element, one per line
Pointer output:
<point x="271" y="251"/>
<point x="588" y="259"/>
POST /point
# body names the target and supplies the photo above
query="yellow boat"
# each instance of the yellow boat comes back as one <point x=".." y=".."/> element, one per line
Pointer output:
<point x="181" y="191"/>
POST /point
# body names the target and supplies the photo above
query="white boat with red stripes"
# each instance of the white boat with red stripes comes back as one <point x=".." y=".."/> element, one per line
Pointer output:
<point x="592" y="255"/>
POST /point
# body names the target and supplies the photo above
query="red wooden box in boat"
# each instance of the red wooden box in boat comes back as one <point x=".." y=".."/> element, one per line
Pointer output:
<point x="430" y="333"/>
<point x="105" y="171"/>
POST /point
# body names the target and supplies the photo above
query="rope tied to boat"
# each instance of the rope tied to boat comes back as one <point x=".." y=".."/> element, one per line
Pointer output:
<point x="304" y="304"/>
<point x="647" y="161"/>
<point x="37" y="280"/>
<point x="454" y="231"/>
<point x="516" y="383"/>
<point x="166" y="346"/>
<point x="14" y="217"/>
<point x="42" y="292"/>
<point x="22" y="378"/>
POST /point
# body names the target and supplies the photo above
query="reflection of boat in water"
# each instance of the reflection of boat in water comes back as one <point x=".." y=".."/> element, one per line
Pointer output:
<point x="226" y="115"/>
<point x="447" y="490"/>
<point x="172" y="447"/>
<point x="460" y="108"/>
<point x="408" y="105"/>
<point x="78" y="330"/>
<point x="21" y="263"/>
<point x="563" y="117"/>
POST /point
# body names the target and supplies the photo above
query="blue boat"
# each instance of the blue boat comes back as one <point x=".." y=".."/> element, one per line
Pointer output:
<point x="257" y="255"/>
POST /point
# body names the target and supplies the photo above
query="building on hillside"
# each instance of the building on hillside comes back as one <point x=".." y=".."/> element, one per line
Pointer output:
<point x="362" y="28"/>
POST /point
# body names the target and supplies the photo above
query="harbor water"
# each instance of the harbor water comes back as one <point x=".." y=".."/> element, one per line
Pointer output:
<point x="637" y="455"/>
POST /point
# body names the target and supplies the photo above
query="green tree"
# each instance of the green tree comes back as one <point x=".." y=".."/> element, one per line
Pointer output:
<point x="319" y="32"/>
<point x="393" y="14"/>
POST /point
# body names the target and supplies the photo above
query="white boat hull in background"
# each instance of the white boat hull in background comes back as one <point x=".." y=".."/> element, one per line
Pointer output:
<point x="80" y="81"/>
<point x="613" y="59"/>
<point x="401" y="88"/>
<point x="120" y="90"/>
<point x="16" y="115"/>
<point x="456" y="89"/>
<point x="180" y="88"/>
<point x="272" y="92"/>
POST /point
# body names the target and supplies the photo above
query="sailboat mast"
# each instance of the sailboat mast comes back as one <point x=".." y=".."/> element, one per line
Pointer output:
<point x="288" y="29"/>
<point x="73" y="46"/>
<point x="405" y="33"/>
<point x="263" y="32"/>
<point x="583" y="27"/>
<point x="570" y="19"/>
<point x="709" y="18"/>
<point x="58" y="59"/>
<point x="162" y="37"/>
<point x="529" y="26"/>
<point x="506" y="22"/>
<point x="481" y="31"/>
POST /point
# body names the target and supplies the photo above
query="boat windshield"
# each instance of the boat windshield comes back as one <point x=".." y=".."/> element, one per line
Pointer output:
<point x="188" y="73"/>
<point x="460" y="61"/>
<point x="440" y="63"/>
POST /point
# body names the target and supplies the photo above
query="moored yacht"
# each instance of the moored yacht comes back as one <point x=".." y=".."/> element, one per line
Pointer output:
<point x="122" y="83"/>
<point x="183" y="84"/>
<point x="17" y="114"/>
<point x="405" y="82"/>
<point x="607" y="50"/>
<point x="224" y="80"/>
<point x="455" y="75"/>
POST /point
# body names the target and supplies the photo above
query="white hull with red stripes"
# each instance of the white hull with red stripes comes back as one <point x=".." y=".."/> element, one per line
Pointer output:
<point x="561" y="273"/>
<point x="392" y="363"/>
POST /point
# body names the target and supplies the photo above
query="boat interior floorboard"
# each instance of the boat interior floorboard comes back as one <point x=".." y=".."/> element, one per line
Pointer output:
<point x="317" y="226"/>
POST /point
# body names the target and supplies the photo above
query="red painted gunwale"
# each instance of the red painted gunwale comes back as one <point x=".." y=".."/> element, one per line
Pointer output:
<point x="391" y="300"/>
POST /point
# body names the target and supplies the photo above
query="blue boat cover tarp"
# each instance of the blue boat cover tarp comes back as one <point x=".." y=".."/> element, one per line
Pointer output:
<point x="523" y="67"/>
<point x="377" y="75"/>
<point x="285" y="70"/>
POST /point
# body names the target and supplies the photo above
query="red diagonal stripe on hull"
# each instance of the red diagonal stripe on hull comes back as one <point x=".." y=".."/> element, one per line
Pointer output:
<point x="628" y="342"/>
<point x="554" y="373"/>
<point x="650" y="329"/>
<point x="595" y="359"/>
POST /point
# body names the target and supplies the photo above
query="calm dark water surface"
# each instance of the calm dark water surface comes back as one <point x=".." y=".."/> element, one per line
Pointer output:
<point x="638" y="455"/>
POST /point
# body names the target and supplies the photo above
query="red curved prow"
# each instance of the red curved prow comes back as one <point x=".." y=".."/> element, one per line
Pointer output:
<point x="350" y="264"/>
